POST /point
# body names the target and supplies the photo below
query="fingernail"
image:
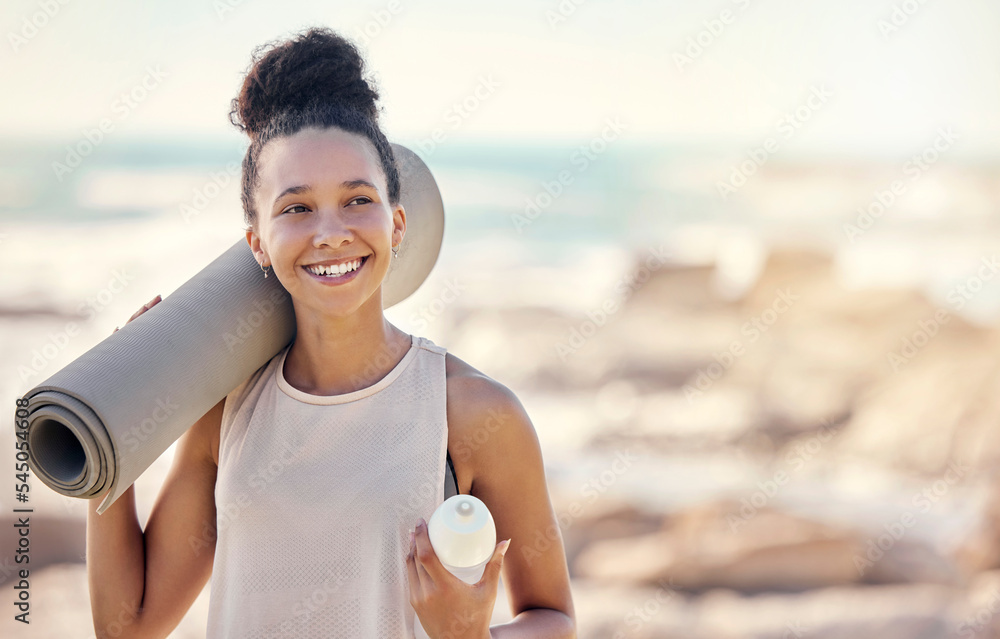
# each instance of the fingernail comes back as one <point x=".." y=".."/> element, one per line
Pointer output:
<point x="503" y="549"/>
<point x="422" y="523"/>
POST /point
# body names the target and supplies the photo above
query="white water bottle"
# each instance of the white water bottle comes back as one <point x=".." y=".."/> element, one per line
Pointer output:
<point x="464" y="536"/>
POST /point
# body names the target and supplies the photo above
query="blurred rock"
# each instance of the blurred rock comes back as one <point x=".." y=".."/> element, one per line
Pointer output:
<point x="716" y="546"/>
<point x="604" y="520"/>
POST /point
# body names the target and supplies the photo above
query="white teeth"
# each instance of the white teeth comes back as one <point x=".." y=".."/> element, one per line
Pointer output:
<point x="335" y="270"/>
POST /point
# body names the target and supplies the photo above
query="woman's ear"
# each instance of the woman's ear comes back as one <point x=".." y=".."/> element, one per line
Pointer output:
<point x="254" y="241"/>
<point x="399" y="222"/>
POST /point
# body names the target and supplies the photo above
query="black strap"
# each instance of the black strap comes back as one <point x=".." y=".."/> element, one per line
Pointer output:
<point x="450" y="483"/>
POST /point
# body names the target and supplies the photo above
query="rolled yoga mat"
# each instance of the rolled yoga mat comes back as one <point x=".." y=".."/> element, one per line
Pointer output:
<point x="97" y="424"/>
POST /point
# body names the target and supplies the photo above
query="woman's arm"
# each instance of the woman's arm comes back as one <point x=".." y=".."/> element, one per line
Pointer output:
<point x="509" y="477"/>
<point x="143" y="583"/>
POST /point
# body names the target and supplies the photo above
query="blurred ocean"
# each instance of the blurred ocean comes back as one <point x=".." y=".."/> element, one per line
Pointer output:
<point x="170" y="205"/>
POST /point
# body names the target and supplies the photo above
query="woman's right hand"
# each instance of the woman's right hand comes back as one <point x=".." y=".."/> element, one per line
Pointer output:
<point x="145" y="307"/>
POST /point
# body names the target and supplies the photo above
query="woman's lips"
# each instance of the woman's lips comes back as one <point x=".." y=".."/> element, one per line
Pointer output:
<point x="336" y="280"/>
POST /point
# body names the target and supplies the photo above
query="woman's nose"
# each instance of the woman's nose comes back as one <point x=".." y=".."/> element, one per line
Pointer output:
<point x="331" y="229"/>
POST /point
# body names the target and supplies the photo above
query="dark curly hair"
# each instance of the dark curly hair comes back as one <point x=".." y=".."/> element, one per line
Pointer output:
<point x="312" y="80"/>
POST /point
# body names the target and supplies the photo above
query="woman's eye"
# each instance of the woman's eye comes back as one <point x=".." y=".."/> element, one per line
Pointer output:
<point x="364" y="200"/>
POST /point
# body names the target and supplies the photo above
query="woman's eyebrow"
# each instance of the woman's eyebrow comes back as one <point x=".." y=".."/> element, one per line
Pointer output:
<point x="350" y="184"/>
<point x="292" y="190"/>
<point x="302" y="188"/>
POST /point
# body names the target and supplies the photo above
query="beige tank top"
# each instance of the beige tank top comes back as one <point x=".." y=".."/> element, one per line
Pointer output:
<point x="315" y="497"/>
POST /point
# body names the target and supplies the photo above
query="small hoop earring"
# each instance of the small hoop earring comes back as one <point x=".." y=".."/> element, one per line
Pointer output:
<point x="263" y="269"/>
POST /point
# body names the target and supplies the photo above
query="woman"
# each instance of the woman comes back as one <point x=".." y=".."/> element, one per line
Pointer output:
<point x="295" y="493"/>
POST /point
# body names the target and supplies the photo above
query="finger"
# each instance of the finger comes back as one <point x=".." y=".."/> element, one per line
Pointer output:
<point x="420" y="573"/>
<point x="145" y="307"/>
<point x="424" y="557"/>
<point x="416" y="589"/>
<point x="491" y="575"/>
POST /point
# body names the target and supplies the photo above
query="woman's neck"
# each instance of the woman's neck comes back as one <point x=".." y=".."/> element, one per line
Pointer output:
<point x="338" y="355"/>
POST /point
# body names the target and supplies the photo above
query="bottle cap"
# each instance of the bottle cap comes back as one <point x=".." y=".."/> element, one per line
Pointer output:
<point x="462" y="531"/>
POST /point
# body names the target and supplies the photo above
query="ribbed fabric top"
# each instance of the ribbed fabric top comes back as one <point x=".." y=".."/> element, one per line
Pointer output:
<point x="315" y="497"/>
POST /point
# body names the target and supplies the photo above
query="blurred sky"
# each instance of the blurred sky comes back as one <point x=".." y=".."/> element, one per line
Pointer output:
<point x="891" y="91"/>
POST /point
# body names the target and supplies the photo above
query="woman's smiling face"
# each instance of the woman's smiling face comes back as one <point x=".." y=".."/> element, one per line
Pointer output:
<point x="323" y="200"/>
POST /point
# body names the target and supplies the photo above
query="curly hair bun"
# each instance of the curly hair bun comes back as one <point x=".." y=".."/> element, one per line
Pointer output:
<point x="316" y="66"/>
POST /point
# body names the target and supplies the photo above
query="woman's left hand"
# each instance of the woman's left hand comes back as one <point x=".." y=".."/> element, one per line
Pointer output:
<point x="447" y="607"/>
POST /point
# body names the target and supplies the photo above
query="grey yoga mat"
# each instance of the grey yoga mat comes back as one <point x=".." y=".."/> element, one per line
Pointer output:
<point x="97" y="424"/>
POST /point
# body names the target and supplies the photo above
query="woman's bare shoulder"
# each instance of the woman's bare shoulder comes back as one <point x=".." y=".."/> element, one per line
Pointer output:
<point x="472" y="388"/>
<point x="485" y="418"/>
